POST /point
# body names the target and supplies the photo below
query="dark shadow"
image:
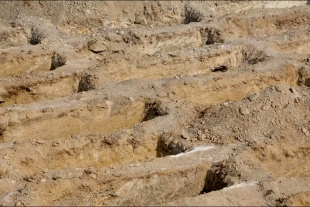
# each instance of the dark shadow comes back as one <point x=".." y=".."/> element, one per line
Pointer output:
<point x="152" y="110"/>
<point x="220" y="69"/>
<point x="307" y="82"/>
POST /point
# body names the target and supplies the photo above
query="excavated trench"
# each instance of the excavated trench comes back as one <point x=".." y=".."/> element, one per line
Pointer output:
<point x="104" y="150"/>
<point x="168" y="179"/>
<point x="19" y="64"/>
<point x="65" y="123"/>
<point x="284" y="160"/>
<point x="65" y="120"/>
<point x="274" y="22"/>
<point x="154" y="67"/>
<point x="39" y="90"/>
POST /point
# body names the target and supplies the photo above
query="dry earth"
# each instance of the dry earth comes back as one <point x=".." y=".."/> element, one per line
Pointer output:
<point x="154" y="103"/>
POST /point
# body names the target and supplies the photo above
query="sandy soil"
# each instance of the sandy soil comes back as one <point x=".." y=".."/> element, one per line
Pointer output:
<point x="201" y="103"/>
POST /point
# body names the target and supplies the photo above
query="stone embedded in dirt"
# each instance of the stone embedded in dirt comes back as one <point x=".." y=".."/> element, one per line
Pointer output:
<point x="254" y="97"/>
<point x="265" y="107"/>
<point x="305" y="131"/>
<point x="3" y="170"/>
<point x="93" y="176"/>
<point x="297" y="99"/>
<point x="185" y="135"/>
<point x="18" y="203"/>
<point x="293" y="90"/>
<point x="45" y="171"/>
<point x="202" y="137"/>
<point x="97" y="45"/>
<point x="2" y="100"/>
<point x="244" y="111"/>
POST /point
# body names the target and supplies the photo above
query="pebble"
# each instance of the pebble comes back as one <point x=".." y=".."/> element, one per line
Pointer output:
<point x="162" y="94"/>
<point x="18" y="203"/>
<point x="244" y="111"/>
<point x="40" y="141"/>
<point x="293" y="90"/>
<point x="202" y="137"/>
<point x="3" y="170"/>
<point x="185" y="135"/>
<point x="266" y="107"/>
<point x="194" y="140"/>
<point x="43" y="180"/>
<point x="93" y="176"/>
<point x="254" y="97"/>
<point x="297" y="99"/>
<point x="117" y="174"/>
<point x="305" y="131"/>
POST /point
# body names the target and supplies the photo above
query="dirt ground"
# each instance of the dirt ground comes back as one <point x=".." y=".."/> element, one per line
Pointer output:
<point x="166" y="103"/>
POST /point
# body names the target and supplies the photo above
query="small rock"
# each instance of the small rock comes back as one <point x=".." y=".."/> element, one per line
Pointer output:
<point x="62" y="74"/>
<point x="43" y="180"/>
<point x="266" y="107"/>
<point x="116" y="174"/>
<point x="254" y="97"/>
<point x="162" y="94"/>
<point x="185" y="135"/>
<point x="93" y="176"/>
<point x="3" y="170"/>
<point x="132" y="99"/>
<point x="278" y="88"/>
<point x="194" y="140"/>
<point x="297" y="99"/>
<point x="244" y="111"/>
<point x="305" y="131"/>
<point x="2" y="100"/>
<point x="40" y="142"/>
<point x="18" y="203"/>
<point x="293" y="90"/>
<point x="202" y="137"/>
<point x="45" y="170"/>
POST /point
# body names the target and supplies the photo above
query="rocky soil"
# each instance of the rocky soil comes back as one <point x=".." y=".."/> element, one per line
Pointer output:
<point x="200" y="103"/>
